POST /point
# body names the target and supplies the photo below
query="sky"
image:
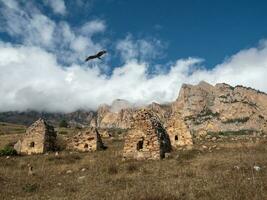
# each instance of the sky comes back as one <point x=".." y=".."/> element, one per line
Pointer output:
<point x="153" y="48"/>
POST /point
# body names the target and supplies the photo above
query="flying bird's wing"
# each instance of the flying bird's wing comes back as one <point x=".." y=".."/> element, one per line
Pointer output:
<point x="98" y="55"/>
<point x="90" y="58"/>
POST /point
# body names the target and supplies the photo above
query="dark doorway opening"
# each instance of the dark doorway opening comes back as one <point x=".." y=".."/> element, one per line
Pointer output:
<point x="32" y="144"/>
<point x="86" y="146"/>
<point x="139" y="145"/>
<point x="176" y="137"/>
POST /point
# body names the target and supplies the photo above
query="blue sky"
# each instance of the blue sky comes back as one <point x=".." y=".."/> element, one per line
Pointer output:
<point x="153" y="48"/>
<point x="212" y="30"/>
<point x="208" y="29"/>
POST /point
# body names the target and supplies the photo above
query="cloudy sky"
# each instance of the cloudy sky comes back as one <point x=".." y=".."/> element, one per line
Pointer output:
<point x="153" y="48"/>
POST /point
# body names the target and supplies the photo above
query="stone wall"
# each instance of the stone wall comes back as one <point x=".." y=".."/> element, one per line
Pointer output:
<point x="147" y="139"/>
<point x="87" y="140"/>
<point x="39" y="138"/>
<point x="179" y="132"/>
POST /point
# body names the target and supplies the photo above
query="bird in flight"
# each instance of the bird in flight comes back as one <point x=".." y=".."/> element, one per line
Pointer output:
<point x="98" y="55"/>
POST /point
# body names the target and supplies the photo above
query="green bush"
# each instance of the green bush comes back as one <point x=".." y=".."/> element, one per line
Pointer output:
<point x="63" y="123"/>
<point x="63" y="132"/>
<point x="30" y="187"/>
<point x="8" y="151"/>
<point x="232" y="133"/>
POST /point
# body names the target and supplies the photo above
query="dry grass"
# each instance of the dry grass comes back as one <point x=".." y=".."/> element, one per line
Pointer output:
<point x="226" y="173"/>
<point x="9" y="128"/>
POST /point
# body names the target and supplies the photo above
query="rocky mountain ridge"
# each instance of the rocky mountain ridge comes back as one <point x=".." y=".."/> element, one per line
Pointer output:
<point x="204" y="108"/>
<point x="222" y="109"/>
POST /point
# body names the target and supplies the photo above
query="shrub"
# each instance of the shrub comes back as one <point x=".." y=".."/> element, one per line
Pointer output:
<point x="30" y="187"/>
<point x="8" y="151"/>
<point x="60" y="143"/>
<point x="236" y="120"/>
<point x="63" y="123"/>
<point x="63" y="132"/>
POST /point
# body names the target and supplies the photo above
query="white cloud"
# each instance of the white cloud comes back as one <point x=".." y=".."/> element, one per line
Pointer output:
<point x="130" y="48"/>
<point x="44" y="72"/>
<point x="92" y="27"/>
<point x="58" y="6"/>
<point x="52" y="87"/>
<point x="12" y="4"/>
<point x="29" y="25"/>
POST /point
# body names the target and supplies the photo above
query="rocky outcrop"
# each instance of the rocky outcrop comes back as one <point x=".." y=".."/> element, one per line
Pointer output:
<point x="119" y="104"/>
<point x="147" y="138"/>
<point x="222" y="109"/>
<point x="162" y="111"/>
<point x="39" y="138"/>
<point x="87" y="140"/>
<point x="118" y="115"/>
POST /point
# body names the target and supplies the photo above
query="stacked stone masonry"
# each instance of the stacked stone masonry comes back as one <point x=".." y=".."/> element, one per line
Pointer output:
<point x="147" y="138"/>
<point x="40" y="137"/>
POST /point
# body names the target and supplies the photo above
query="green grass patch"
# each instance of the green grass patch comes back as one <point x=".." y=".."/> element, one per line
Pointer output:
<point x="231" y="133"/>
<point x="236" y="120"/>
<point x="8" y="151"/>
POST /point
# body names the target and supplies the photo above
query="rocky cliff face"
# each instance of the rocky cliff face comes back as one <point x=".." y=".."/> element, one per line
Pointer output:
<point x="120" y="114"/>
<point x="204" y="108"/>
<point x="222" y="109"/>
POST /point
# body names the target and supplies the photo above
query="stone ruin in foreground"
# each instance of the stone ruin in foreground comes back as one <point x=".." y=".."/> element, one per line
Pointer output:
<point x="40" y="137"/>
<point x="147" y="139"/>
<point x="87" y="140"/>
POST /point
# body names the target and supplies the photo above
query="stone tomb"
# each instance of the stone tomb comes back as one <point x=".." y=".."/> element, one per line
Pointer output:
<point x="40" y="137"/>
<point x="87" y="140"/>
<point x="147" y="139"/>
<point x="179" y="132"/>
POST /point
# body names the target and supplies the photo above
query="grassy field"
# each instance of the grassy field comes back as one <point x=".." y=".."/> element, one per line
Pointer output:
<point x="8" y="128"/>
<point x="222" y="173"/>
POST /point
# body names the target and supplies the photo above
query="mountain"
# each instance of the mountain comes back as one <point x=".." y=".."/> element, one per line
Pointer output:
<point x="203" y="108"/>
<point x="118" y="115"/>
<point x="222" y="109"/>
<point x="28" y="117"/>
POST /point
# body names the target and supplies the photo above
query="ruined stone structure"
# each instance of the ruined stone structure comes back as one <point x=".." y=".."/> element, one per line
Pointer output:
<point x="39" y="138"/>
<point x="87" y="140"/>
<point x="147" y="139"/>
<point x="179" y="132"/>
